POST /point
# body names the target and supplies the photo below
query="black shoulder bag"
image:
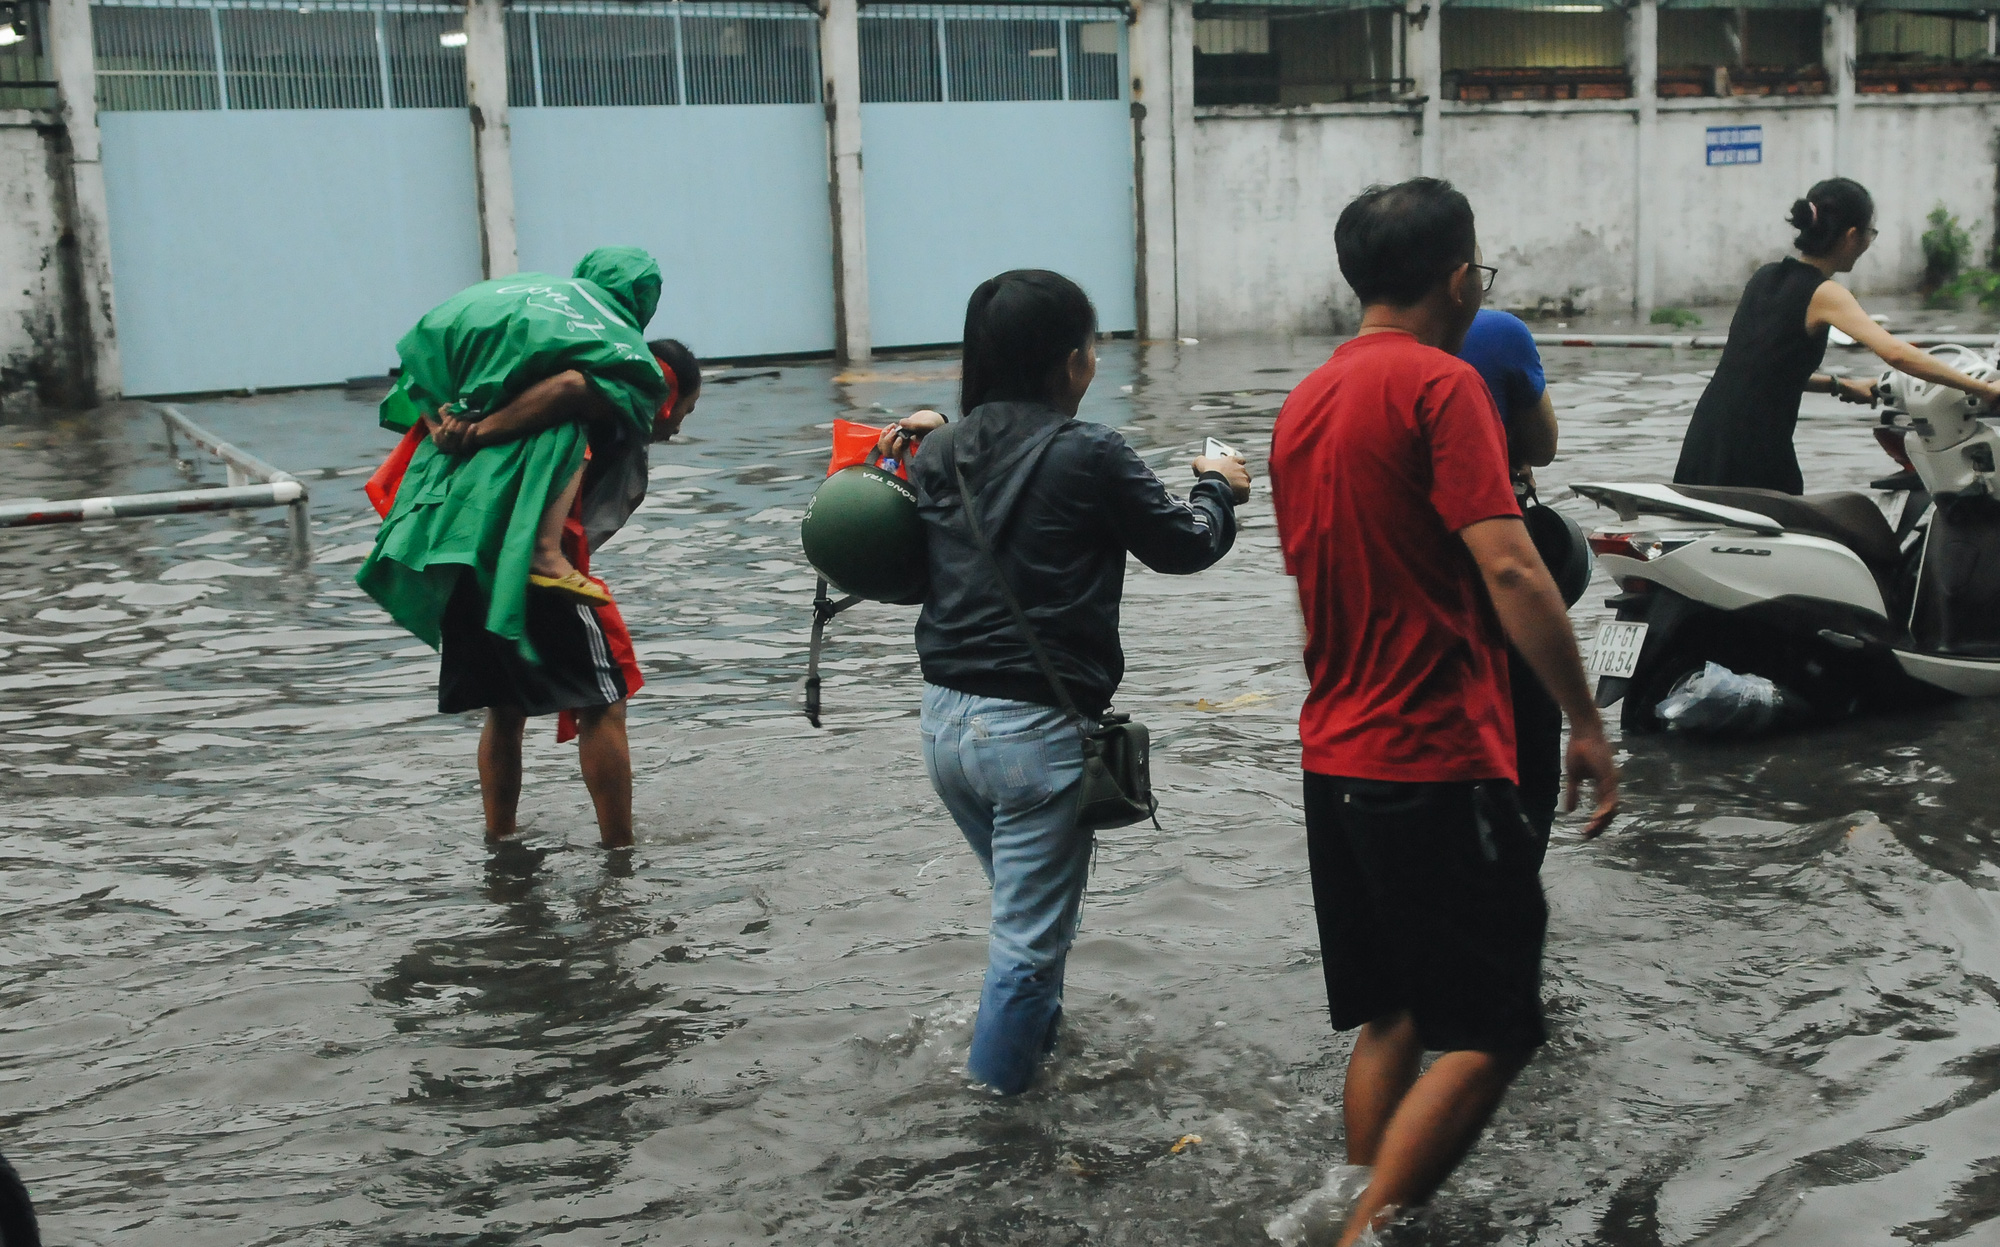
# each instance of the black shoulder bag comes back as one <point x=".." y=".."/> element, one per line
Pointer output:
<point x="1117" y="780"/>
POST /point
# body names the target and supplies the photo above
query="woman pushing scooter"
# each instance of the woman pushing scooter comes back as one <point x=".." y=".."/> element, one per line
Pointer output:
<point x="1741" y="434"/>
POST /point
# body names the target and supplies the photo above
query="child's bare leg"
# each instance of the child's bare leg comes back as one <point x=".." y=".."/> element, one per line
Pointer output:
<point x="549" y="560"/>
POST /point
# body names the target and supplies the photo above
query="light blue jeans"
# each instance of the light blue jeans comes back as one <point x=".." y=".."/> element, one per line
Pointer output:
<point x="1009" y="772"/>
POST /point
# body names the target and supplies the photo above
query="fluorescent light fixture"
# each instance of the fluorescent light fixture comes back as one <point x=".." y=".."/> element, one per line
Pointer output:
<point x="11" y="34"/>
<point x="452" y="39"/>
<point x="1569" y="8"/>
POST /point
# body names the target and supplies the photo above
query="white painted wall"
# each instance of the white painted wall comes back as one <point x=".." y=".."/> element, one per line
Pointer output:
<point x="1912" y="154"/>
<point x="32" y="337"/>
<point x="1258" y="245"/>
<point x="1555" y="196"/>
<point x="1556" y="188"/>
<point x="1718" y="225"/>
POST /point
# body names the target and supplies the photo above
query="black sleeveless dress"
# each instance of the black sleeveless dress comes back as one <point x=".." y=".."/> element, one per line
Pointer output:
<point x="1741" y="434"/>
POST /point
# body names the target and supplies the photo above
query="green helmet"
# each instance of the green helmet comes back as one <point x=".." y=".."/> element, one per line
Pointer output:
<point x="863" y="534"/>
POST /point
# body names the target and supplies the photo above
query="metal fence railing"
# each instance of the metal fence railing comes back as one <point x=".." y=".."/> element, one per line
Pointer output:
<point x="302" y="60"/>
<point x="915" y="53"/>
<point x="26" y="77"/>
<point x="172" y="56"/>
<point x="251" y="483"/>
<point x="627" y="54"/>
<point x="261" y="54"/>
<point x="425" y="72"/>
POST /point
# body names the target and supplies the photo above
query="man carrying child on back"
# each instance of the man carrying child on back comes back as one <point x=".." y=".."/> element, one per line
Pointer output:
<point x="1396" y="514"/>
<point x="527" y="404"/>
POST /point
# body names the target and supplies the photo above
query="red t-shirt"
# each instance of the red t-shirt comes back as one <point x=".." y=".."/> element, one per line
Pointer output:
<point x="1378" y="460"/>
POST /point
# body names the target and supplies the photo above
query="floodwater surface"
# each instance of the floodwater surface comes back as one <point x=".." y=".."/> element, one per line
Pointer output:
<point x="262" y="983"/>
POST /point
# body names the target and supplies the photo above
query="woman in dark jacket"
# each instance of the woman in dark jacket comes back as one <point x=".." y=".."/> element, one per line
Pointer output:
<point x="1741" y="434"/>
<point x="1062" y="502"/>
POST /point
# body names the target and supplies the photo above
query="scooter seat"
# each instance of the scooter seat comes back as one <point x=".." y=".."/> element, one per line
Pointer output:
<point x="1844" y="516"/>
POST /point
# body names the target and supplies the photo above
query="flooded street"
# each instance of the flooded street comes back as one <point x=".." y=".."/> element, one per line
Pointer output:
<point x="261" y="983"/>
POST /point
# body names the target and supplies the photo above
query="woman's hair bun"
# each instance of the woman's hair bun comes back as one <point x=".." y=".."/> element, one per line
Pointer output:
<point x="1828" y="211"/>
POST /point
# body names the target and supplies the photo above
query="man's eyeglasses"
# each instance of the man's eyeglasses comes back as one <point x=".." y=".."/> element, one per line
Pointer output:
<point x="1486" y="275"/>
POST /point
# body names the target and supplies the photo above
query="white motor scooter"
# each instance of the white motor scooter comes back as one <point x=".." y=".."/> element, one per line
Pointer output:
<point x="1822" y="594"/>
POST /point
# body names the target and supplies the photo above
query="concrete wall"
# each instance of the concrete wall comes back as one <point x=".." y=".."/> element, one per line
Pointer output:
<point x="35" y="340"/>
<point x="1556" y="196"/>
<point x="1556" y="187"/>
<point x="1267" y="188"/>
<point x="1718" y="224"/>
<point x="1914" y="153"/>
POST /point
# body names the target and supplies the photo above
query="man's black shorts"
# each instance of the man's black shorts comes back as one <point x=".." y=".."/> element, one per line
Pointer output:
<point x="1429" y="899"/>
<point x="480" y="669"/>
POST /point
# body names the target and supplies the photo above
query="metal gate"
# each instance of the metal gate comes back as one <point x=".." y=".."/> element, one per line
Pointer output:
<point x="289" y="187"/>
<point x="694" y="131"/>
<point x="994" y="137"/>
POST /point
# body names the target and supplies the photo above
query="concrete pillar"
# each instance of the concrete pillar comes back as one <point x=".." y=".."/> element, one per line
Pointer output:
<point x="1151" y="56"/>
<point x="1838" y="50"/>
<point x="1642" y="57"/>
<point x="1426" y="53"/>
<point x="840" y="56"/>
<point x="94" y="320"/>
<point x="492" y="146"/>
<point x="1181" y="44"/>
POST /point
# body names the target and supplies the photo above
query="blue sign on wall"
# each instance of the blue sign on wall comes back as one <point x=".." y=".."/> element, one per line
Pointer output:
<point x="1736" y="145"/>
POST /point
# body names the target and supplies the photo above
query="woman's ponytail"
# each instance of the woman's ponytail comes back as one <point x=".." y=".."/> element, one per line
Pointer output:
<point x="1828" y="211"/>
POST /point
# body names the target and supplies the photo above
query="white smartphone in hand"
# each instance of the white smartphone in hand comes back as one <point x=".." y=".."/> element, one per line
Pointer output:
<point x="1217" y="450"/>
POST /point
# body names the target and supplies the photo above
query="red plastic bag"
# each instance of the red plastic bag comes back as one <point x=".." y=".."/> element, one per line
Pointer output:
<point x="382" y="486"/>
<point x="617" y="640"/>
<point x="855" y="443"/>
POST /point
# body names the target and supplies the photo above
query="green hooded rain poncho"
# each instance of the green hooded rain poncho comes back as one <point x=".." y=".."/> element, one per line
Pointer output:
<point x="477" y="514"/>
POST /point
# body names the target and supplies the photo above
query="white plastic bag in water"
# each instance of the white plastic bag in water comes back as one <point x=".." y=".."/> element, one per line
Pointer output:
<point x="1717" y="701"/>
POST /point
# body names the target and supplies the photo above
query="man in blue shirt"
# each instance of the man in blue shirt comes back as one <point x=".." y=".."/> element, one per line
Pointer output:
<point x="1500" y="346"/>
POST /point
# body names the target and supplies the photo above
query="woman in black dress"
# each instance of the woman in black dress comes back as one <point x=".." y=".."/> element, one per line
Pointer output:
<point x="1741" y="434"/>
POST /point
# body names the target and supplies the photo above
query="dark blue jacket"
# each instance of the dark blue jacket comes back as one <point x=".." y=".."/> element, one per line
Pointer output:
<point x="1062" y="501"/>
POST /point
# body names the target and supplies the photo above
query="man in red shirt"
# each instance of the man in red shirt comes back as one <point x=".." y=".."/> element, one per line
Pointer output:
<point x="1397" y="517"/>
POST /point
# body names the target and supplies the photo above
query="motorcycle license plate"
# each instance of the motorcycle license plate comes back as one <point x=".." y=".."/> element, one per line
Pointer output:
<point x="1617" y="651"/>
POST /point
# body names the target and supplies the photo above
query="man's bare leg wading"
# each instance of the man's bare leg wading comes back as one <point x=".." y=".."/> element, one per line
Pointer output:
<point x="1413" y="1130"/>
<point x="603" y="754"/>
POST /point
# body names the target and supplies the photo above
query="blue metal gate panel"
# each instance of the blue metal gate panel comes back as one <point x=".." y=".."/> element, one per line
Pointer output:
<point x="282" y="247"/>
<point x="959" y="192"/>
<point x="731" y="198"/>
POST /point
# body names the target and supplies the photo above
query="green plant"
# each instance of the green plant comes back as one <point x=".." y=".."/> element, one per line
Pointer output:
<point x="1982" y="284"/>
<point x="1946" y="247"/>
<point x="1678" y="317"/>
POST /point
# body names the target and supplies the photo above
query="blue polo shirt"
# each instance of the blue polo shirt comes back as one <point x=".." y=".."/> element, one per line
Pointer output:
<point x="1502" y="348"/>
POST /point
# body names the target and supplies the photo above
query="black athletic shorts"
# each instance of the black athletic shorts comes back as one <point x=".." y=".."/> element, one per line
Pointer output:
<point x="480" y="669"/>
<point x="1429" y="898"/>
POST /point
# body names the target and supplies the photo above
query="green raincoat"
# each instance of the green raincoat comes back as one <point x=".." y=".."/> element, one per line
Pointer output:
<point x="478" y="513"/>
